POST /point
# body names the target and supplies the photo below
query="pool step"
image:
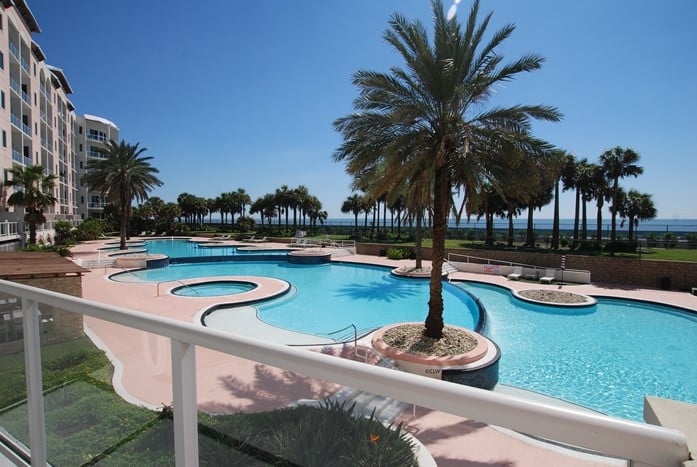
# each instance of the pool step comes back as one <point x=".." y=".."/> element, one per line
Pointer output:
<point x="342" y="252"/>
<point x="96" y="263"/>
<point x="448" y="267"/>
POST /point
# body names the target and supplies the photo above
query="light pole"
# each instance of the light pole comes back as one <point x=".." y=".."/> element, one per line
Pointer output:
<point x="563" y="266"/>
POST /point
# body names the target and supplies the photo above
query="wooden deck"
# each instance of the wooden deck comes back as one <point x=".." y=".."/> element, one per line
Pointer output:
<point x="23" y="265"/>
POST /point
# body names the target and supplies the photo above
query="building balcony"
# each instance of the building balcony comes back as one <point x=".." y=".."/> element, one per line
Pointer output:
<point x="100" y="138"/>
<point x="265" y="375"/>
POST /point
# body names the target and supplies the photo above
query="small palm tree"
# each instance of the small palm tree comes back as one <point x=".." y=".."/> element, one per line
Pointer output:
<point x="636" y="207"/>
<point x="353" y="204"/>
<point x="618" y="163"/>
<point x="123" y="176"/>
<point x="32" y="191"/>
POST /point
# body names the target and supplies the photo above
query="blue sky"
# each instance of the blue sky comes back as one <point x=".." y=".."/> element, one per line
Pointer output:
<point x="229" y="94"/>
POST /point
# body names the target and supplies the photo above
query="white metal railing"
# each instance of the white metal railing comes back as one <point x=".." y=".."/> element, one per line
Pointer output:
<point x="643" y="445"/>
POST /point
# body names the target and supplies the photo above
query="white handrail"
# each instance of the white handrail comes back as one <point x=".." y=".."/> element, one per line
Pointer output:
<point x="642" y="444"/>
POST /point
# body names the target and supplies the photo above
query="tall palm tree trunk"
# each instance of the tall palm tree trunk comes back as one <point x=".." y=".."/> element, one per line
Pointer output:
<point x="530" y="232"/>
<point x="555" y="222"/>
<point x="576" y="214"/>
<point x="599" y="224"/>
<point x="441" y="195"/>
<point x="418" y="239"/>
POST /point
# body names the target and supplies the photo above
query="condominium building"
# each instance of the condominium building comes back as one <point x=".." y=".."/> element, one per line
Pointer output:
<point x="39" y="126"/>
<point x="93" y="134"/>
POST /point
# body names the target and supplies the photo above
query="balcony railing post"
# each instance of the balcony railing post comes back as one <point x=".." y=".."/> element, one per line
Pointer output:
<point x="35" y="395"/>
<point x="185" y="410"/>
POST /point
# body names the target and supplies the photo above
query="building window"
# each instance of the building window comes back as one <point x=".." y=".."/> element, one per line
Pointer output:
<point x="2" y="99"/>
<point x="79" y="129"/>
<point x="2" y="61"/>
<point x="4" y="139"/>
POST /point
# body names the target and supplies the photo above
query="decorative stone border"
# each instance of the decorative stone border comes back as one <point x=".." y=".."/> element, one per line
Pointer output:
<point x="141" y="261"/>
<point x="555" y="298"/>
<point x="408" y="271"/>
<point x="478" y="367"/>
<point x="309" y="257"/>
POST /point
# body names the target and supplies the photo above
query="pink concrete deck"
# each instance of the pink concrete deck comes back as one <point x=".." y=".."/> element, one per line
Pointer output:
<point x="227" y="384"/>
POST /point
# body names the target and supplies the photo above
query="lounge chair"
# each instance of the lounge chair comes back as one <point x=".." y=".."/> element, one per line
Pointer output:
<point x="257" y="240"/>
<point x="517" y="272"/>
<point x="549" y="277"/>
<point x="249" y="239"/>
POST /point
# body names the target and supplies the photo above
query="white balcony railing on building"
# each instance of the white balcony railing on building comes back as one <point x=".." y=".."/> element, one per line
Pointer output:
<point x="641" y="444"/>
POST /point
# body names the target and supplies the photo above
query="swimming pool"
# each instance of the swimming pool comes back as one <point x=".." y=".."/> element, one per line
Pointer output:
<point x="178" y="248"/>
<point x="366" y="296"/>
<point x="605" y="357"/>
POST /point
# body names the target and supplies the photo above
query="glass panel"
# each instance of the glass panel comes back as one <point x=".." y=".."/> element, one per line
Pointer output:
<point x="13" y="389"/>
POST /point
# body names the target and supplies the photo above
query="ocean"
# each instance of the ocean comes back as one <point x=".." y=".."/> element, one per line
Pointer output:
<point x="676" y="226"/>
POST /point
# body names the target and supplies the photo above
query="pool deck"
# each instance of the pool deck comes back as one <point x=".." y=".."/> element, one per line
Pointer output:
<point x="228" y="384"/>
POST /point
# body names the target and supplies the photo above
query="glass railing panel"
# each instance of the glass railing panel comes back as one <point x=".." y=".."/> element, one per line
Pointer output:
<point x="13" y="412"/>
<point x="13" y="49"/>
<point x="85" y="418"/>
<point x="15" y="86"/>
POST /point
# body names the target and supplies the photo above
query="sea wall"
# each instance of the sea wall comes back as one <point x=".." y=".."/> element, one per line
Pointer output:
<point x="674" y="275"/>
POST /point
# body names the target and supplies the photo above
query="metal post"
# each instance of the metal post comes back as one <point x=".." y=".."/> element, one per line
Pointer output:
<point x="184" y="393"/>
<point x="563" y="266"/>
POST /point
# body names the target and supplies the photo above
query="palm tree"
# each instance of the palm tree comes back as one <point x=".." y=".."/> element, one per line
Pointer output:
<point x="636" y="207"/>
<point x="353" y="204"/>
<point x="558" y="160"/>
<point x="123" y="176"/>
<point x="569" y="179"/>
<point x="600" y="192"/>
<point x="433" y="109"/>
<point x="584" y="188"/>
<point x="618" y="163"/>
<point x="33" y="190"/>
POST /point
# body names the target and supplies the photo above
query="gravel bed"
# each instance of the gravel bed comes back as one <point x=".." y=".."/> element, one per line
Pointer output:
<point x="410" y="338"/>
<point x="553" y="296"/>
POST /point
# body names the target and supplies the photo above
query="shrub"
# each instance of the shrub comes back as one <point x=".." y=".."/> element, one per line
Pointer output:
<point x="622" y="246"/>
<point x="691" y="240"/>
<point x="400" y="253"/>
<point x="246" y="224"/>
<point x="89" y="229"/>
<point x="670" y="240"/>
<point x="62" y="229"/>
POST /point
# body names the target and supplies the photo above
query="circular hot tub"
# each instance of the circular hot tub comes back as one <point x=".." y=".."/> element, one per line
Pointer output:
<point x="214" y="288"/>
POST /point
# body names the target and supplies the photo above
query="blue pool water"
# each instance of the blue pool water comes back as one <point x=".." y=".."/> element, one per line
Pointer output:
<point x="186" y="249"/>
<point x="605" y="357"/>
<point x="329" y="296"/>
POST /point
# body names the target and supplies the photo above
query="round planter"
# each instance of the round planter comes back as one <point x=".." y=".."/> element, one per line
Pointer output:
<point x="478" y="367"/>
